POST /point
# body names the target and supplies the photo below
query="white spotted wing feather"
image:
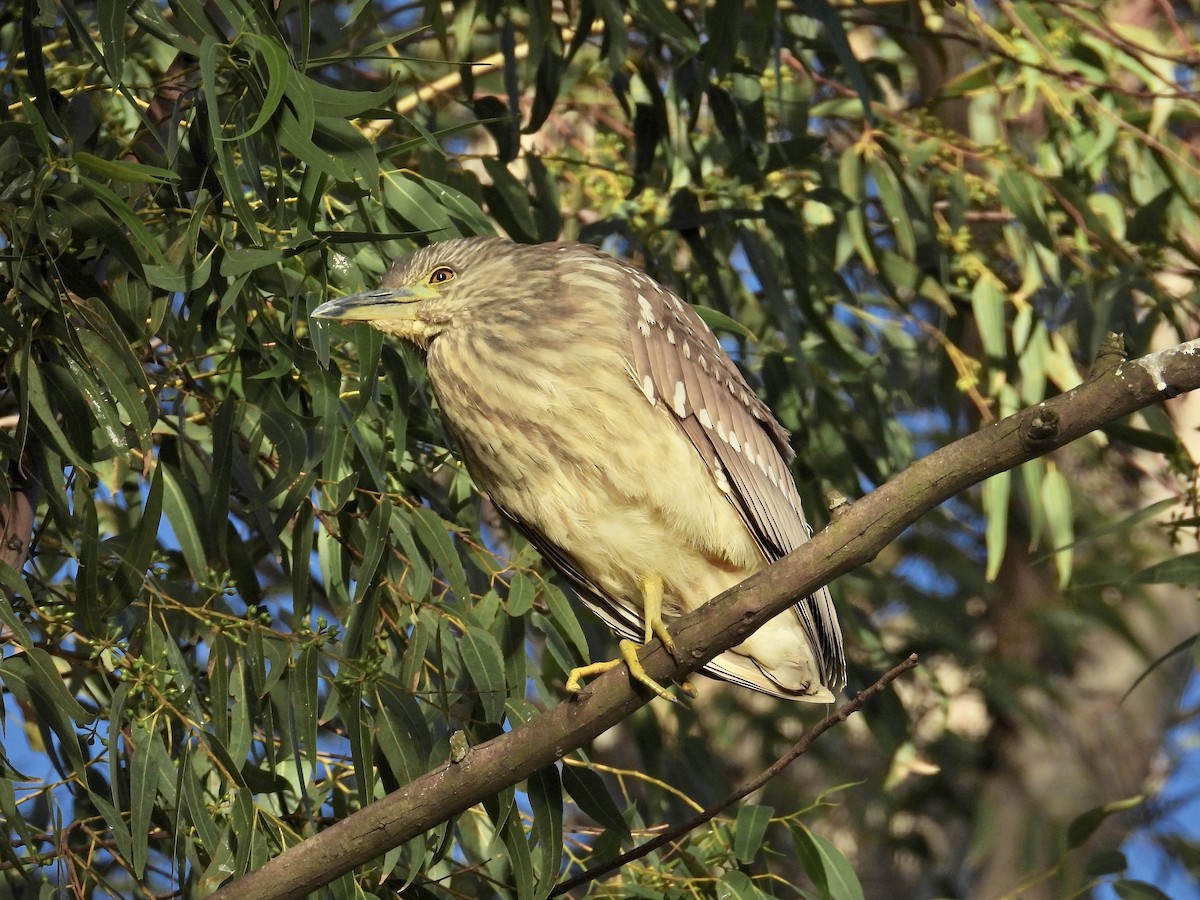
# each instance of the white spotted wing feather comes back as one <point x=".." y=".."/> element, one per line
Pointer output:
<point x="679" y="362"/>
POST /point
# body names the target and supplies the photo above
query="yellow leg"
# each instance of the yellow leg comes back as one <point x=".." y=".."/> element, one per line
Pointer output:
<point x="652" y="597"/>
<point x="629" y="652"/>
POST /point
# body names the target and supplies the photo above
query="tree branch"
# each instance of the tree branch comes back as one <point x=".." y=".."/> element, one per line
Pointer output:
<point x="854" y="539"/>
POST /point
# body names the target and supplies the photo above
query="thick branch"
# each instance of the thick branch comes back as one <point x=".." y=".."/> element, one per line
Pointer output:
<point x="854" y="539"/>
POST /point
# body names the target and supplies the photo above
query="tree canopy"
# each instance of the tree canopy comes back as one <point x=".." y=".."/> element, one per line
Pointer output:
<point x="248" y="590"/>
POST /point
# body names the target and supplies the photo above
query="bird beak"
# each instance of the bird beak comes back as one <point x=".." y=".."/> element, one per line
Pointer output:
<point x="379" y="305"/>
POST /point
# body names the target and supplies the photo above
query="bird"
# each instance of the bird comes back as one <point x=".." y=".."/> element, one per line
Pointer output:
<point x="605" y="421"/>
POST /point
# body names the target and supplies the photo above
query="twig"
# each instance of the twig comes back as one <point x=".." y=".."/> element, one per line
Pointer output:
<point x="841" y="714"/>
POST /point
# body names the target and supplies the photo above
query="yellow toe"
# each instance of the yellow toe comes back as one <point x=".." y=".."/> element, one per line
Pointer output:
<point x="575" y="676"/>
<point x="629" y="653"/>
<point x="629" y="656"/>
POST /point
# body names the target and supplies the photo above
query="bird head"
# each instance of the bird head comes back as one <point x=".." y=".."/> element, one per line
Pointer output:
<point x="439" y="286"/>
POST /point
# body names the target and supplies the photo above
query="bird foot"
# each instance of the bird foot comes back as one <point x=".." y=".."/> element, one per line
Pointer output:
<point x="658" y="628"/>
<point x="629" y="656"/>
<point x="652" y="603"/>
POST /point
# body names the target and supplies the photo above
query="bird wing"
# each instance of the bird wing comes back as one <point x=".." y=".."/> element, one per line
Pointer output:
<point x="620" y="618"/>
<point x="678" y="362"/>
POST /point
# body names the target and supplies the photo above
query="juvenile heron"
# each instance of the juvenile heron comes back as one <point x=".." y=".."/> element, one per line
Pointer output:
<point x="606" y="423"/>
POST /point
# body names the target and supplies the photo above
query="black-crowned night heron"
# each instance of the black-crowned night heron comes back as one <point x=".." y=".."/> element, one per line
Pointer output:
<point x="605" y="421"/>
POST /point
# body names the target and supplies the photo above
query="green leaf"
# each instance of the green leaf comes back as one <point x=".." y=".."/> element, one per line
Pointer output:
<point x="513" y="835"/>
<point x="996" y="492"/>
<point x="1056" y="501"/>
<point x="752" y="822"/>
<point x="105" y="227"/>
<point x="194" y="807"/>
<point x="35" y="394"/>
<point x="341" y="142"/>
<point x="835" y="31"/>
<point x="666" y="24"/>
<point x="521" y="594"/>
<point x="182" y="507"/>
<point x="989" y="303"/>
<point x="458" y="206"/>
<point x="1183" y="570"/>
<point x="1106" y="862"/>
<point x="829" y="870"/>
<point x="375" y="543"/>
<point x="303" y="696"/>
<point x="409" y="200"/>
<point x="737" y="885"/>
<point x="358" y="731"/>
<point x="563" y="617"/>
<point x="850" y="182"/>
<point x="15" y="821"/>
<point x="546" y="835"/>
<point x="719" y="321"/>
<point x="891" y="197"/>
<point x="403" y="732"/>
<point x="330" y="101"/>
<point x="976" y="78"/>
<point x="103" y="357"/>
<point x="509" y="202"/>
<point x="586" y="787"/>
<point x="110" y="18"/>
<point x="34" y="679"/>
<point x="418" y="577"/>
<point x="240" y="260"/>
<point x="115" y="822"/>
<point x="123" y="170"/>
<point x="278" y="64"/>
<point x="484" y="662"/>
<point x="103" y="410"/>
<point x="1085" y="824"/>
<point x="1137" y="890"/>
<point x="432" y="533"/>
<point x="126" y="583"/>
<point x="1164" y="444"/>
<point x="241" y="708"/>
<point x="1021" y="194"/>
<point x="142" y="792"/>
<point x="14" y="581"/>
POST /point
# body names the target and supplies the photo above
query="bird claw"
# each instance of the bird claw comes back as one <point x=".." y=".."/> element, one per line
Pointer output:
<point x="629" y="656"/>
<point x="658" y="629"/>
<point x="652" y="596"/>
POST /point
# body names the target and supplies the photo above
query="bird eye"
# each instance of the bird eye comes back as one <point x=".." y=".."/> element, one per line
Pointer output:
<point x="441" y="275"/>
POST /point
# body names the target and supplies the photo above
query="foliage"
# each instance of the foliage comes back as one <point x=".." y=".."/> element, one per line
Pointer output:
<point x="262" y="590"/>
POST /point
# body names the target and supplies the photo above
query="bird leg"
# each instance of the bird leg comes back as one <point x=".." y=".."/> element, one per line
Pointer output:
<point x="652" y="597"/>
<point x="629" y="656"/>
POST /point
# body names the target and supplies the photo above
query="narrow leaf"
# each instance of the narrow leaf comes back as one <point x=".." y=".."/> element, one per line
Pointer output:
<point x="485" y="664"/>
<point x="752" y="822"/>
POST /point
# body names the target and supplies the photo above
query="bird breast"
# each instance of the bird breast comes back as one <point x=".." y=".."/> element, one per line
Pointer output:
<point x="552" y="425"/>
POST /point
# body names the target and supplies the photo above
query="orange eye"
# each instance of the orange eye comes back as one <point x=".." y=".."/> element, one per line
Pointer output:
<point x="441" y="275"/>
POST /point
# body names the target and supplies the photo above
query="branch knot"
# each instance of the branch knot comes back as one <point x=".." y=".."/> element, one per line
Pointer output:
<point x="1040" y="428"/>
